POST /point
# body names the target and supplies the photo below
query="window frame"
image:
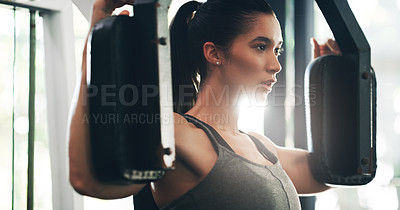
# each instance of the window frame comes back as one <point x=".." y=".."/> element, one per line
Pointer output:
<point x="60" y="80"/>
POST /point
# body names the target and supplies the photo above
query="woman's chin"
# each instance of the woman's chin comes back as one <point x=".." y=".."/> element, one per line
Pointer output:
<point x="254" y="98"/>
<point x="260" y="99"/>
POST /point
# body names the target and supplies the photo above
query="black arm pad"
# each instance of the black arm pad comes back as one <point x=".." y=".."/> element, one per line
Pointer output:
<point x="332" y="110"/>
<point x="124" y="106"/>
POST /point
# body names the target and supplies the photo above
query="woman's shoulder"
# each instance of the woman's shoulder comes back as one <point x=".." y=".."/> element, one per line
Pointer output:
<point x="182" y="126"/>
<point x="192" y="145"/>
<point x="185" y="132"/>
<point x="180" y="120"/>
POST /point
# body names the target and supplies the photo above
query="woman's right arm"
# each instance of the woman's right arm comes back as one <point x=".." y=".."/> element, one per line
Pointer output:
<point x="80" y="164"/>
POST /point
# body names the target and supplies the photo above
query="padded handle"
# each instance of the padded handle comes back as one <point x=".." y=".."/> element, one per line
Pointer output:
<point x="340" y="94"/>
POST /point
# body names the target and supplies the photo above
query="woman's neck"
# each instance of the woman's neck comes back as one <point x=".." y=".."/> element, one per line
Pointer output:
<point x="218" y="106"/>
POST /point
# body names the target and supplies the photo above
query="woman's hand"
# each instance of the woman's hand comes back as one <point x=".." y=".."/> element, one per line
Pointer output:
<point x="109" y="6"/>
<point x="104" y="8"/>
<point x="100" y="10"/>
<point x="329" y="48"/>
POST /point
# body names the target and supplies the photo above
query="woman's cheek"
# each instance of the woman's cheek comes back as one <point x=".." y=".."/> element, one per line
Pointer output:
<point x="246" y="70"/>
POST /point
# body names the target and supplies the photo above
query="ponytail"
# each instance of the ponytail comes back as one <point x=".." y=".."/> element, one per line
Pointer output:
<point x="184" y="70"/>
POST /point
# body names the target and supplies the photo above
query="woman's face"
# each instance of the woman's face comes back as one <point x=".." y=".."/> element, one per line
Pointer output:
<point x="253" y="63"/>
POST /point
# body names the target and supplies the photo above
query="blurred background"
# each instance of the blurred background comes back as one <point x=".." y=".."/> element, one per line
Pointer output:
<point x="61" y="27"/>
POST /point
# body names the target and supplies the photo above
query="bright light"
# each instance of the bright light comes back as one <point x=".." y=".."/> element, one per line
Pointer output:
<point x="21" y="125"/>
<point x="327" y="200"/>
<point x="251" y="117"/>
<point x="379" y="194"/>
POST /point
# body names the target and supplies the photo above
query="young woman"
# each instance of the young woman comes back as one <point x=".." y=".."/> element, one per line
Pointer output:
<point x="223" y="50"/>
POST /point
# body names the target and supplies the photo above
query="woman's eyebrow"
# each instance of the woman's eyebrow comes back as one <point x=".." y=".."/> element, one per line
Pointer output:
<point x="264" y="39"/>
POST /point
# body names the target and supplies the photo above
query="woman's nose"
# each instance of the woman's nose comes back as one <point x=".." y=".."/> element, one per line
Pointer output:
<point x="274" y="65"/>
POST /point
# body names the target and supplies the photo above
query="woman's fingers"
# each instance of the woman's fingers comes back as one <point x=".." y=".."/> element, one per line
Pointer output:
<point x="124" y="12"/>
<point x="334" y="47"/>
<point x="328" y="48"/>
<point x="316" y="48"/>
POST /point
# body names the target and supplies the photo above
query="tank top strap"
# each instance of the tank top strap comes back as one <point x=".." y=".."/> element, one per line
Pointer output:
<point x="263" y="149"/>
<point x="212" y="134"/>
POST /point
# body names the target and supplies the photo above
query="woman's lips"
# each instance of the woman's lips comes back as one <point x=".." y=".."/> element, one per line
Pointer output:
<point x="268" y="84"/>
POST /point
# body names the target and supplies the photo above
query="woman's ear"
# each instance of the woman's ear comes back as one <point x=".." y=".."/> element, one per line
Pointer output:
<point x="212" y="54"/>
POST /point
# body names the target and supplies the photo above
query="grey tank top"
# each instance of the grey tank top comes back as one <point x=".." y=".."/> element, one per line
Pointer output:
<point x="235" y="182"/>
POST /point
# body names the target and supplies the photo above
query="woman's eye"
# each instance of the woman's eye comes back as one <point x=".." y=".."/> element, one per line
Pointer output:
<point x="261" y="47"/>
<point x="279" y="51"/>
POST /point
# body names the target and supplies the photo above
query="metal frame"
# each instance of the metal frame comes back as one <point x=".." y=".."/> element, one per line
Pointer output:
<point x="32" y="5"/>
<point x="165" y="81"/>
<point x="31" y="109"/>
